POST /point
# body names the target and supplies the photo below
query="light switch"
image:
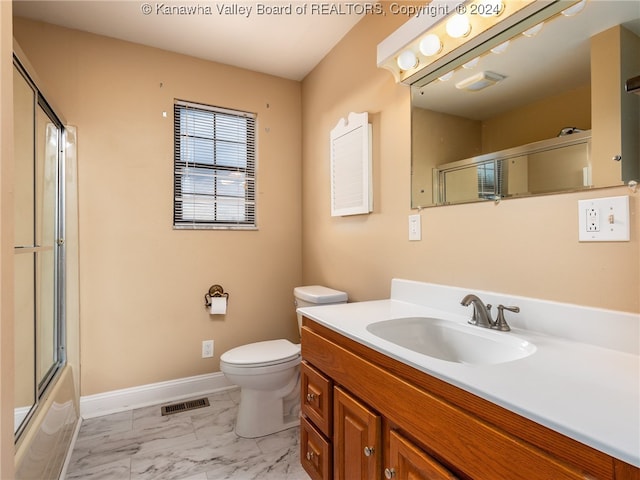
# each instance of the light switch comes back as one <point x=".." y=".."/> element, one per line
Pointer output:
<point x="415" y="227"/>
<point x="604" y="219"/>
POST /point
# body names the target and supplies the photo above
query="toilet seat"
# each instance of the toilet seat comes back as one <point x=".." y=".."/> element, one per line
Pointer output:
<point x="261" y="354"/>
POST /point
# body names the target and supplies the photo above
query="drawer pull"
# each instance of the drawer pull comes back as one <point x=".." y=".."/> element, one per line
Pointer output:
<point x="309" y="456"/>
<point x="389" y="473"/>
<point x="368" y="451"/>
<point x="311" y="397"/>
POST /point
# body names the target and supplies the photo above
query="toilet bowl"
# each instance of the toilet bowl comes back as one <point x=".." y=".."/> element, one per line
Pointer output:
<point x="268" y="374"/>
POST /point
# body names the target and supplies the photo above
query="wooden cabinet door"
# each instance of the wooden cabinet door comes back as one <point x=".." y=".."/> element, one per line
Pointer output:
<point x="357" y="446"/>
<point x="408" y="462"/>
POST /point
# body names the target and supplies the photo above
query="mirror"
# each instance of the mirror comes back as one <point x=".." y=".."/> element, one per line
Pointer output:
<point x="559" y="88"/>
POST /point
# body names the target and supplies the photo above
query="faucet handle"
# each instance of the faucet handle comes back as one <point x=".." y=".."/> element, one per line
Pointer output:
<point x="501" y="323"/>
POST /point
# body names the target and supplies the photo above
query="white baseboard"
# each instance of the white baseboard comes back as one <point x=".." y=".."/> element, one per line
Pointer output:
<point x="19" y="414"/>
<point x="152" y="394"/>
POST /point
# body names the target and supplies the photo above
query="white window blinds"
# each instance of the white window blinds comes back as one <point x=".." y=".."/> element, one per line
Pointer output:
<point x="214" y="167"/>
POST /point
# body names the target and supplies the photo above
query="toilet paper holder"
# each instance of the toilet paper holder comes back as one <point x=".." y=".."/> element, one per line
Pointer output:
<point x="214" y="291"/>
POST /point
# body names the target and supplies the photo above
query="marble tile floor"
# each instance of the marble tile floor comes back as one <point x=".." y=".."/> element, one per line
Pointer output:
<point x="197" y="444"/>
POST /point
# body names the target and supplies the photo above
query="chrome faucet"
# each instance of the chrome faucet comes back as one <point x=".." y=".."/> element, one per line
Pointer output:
<point x="482" y="314"/>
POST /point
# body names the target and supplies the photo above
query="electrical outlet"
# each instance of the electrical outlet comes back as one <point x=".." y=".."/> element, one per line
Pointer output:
<point x="593" y="219"/>
<point x="415" y="227"/>
<point x="604" y="219"/>
<point x="207" y="348"/>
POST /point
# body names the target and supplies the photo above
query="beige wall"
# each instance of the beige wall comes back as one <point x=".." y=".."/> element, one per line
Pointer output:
<point x="6" y="244"/>
<point x="142" y="284"/>
<point x="524" y="246"/>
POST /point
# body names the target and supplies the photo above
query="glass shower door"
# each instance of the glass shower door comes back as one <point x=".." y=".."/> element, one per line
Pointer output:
<point x="38" y="252"/>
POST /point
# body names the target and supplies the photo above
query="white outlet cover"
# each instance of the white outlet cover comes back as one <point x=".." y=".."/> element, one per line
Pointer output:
<point x="207" y="348"/>
<point x="613" y="217"/>
<point x="415" y="227"/>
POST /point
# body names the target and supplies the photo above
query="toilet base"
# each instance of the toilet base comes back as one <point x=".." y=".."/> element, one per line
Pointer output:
<point x="262" y="413"/>
<point x="255" y="432"/>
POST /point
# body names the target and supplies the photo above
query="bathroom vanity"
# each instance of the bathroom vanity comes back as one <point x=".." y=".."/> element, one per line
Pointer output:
<point x="568" y="408"/>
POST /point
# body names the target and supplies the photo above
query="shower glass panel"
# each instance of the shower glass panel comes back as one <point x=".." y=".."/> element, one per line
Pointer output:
<point x="24" y="100"/>
<point x="39" y="249"/>
<point x="47" y="137"/>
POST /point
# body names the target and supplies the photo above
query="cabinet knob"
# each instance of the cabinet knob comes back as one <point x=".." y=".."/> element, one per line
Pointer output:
<point x="389" y="473"/>
<point x="309" y="456"/>
<point x="368" y="451"/>
<point x="311" y="397"/>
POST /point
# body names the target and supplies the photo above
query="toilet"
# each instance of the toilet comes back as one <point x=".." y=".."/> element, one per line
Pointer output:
<point x="268" y="373"/>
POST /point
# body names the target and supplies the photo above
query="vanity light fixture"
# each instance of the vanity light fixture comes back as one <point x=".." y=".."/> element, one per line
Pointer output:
<point x="427" y="43"/>
<point x="458" y="26"/>
<point x="407" y="60"/>
<point x="480" y="81"/>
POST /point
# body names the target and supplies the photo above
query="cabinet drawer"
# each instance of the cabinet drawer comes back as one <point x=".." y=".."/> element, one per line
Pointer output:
<point x="316" y="398"/>
<point x="315" y="452"/>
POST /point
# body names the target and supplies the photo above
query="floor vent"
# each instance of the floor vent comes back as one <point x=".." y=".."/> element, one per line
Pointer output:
<point x="184" y="406"/>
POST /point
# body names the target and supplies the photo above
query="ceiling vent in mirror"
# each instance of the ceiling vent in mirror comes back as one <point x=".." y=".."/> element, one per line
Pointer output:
<point x="479" y="81"/>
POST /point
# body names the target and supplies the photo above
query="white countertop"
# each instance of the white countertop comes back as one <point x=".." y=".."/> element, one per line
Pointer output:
<point x="585" y="391"/>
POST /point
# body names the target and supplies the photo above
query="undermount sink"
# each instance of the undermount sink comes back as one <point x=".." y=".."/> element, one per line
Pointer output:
<point x="452" y="342"/>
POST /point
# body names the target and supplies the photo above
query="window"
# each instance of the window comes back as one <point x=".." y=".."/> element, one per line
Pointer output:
<point x="490" y="179"/>
<point x="214" y="167"/>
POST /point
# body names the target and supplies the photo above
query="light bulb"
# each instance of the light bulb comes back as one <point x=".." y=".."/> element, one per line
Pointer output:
<point x="430" y="45"/>
<point x="501" y="48"/>
<point x="446" y="76"/>
<point x="407" y="60"/>
<point x="458" y="26"/>
<point x="574" y="9"/>
<point x="533" y="31"/>
<point x="471" y="63"/>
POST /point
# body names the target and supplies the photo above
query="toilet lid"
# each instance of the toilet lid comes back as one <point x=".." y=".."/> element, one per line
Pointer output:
<point x="319" y="294"/>
<point x="262" y="353"/>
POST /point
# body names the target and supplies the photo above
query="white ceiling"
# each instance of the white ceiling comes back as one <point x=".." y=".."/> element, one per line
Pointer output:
<point x="287" y="45"/>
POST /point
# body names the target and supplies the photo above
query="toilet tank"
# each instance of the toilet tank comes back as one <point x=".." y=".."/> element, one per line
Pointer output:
<point x="313" y="295"/>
